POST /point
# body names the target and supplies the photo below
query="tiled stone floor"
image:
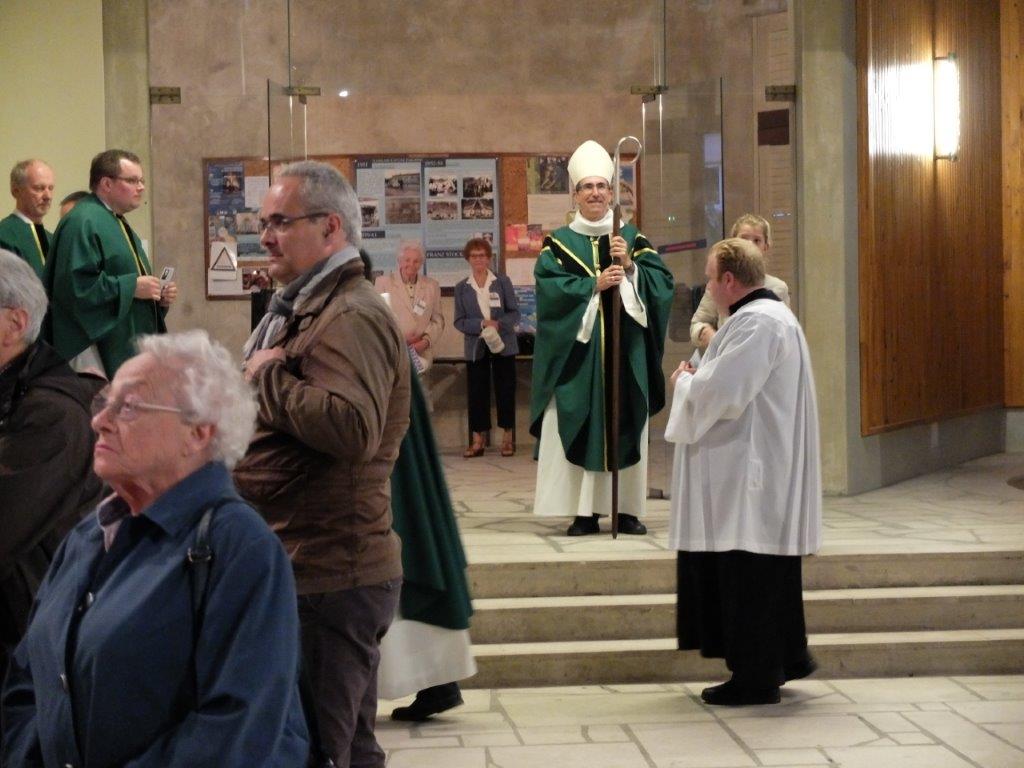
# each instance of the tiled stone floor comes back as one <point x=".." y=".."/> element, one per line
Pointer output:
<point x="936" y="722"/>
<point x="940" y="722"/>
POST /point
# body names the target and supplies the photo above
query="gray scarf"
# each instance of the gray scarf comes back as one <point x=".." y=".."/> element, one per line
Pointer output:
<point x="284" y="303"/>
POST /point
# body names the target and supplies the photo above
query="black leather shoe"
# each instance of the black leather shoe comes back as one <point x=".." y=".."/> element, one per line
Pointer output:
<point x="801" y="669"/>
<point x="629" y="524"/>
<point x="731" y="694"/>
<point x="583" y="526"/>
<point x="429" y="701"/>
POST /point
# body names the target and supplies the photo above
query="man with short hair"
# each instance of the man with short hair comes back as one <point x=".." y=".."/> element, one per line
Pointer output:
<point x="22" y="232"/>
<point x="416" y="301"/>
<point x="46" y="478"/>
<point x="746" y="486"/>
<point x="570" y="408"/>
<point x="101" y="284"/>
<point x="331" y="373"/>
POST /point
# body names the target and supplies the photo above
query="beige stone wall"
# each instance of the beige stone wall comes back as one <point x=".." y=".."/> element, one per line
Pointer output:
<point x="53" y="94"/>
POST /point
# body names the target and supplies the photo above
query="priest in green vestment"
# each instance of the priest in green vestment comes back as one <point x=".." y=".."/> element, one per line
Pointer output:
<point x="102" y="289"/>
<point x="23" y="232"/>
<point x="570" y="401"/>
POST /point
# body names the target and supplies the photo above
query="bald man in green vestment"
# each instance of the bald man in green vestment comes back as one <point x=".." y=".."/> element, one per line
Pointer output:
<point x="102" y="289"/>
<point x="22" y="232"/>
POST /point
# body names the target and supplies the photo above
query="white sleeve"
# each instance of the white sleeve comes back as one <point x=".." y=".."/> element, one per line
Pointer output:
<point x="631" y="301"/>
<point x="726" y="382"/>
<point x="587" y="324"/>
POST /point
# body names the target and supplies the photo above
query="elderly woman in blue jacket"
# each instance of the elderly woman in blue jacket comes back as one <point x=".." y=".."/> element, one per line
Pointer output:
<point x="486" y="311"/>
<point x="118" y="667"/>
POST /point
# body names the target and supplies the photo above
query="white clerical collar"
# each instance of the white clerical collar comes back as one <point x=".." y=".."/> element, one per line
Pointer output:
<point x="584" y="226"/>
<point x="23" y="217"/>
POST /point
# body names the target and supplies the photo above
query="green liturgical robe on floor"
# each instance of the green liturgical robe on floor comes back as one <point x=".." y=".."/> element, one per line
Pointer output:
<point x="434" y="587"/>
<point x="90" y="277"/>
<point x="577" y="374"/>
<point x="18" y="236"/>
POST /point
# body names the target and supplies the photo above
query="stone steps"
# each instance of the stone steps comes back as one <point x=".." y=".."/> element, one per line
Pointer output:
<point x="654" y="573"/>
<point x="623" y="617"/>
<point x="862" y="654"/>
<point x="610" y="618"/>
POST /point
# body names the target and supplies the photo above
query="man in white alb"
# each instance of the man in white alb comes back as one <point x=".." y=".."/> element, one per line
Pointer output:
<point x="746" y="487"/>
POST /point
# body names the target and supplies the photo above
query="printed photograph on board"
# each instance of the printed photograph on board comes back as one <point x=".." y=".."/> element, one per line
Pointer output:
<point x="399" y="183"/>
<point x="442" y="186"/>
<point x="478" y="186"/>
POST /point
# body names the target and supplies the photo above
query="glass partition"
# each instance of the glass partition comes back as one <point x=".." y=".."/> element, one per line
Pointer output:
<point x="682" y="188"/>
<point x="287" y="134"/>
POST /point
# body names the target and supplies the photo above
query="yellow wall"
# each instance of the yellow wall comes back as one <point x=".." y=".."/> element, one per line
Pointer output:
<point x="51" y="54"/>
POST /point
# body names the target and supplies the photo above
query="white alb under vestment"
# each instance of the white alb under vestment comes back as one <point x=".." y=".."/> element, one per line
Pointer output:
<point x="415" y="655"/>
<point x="747" y="473"/>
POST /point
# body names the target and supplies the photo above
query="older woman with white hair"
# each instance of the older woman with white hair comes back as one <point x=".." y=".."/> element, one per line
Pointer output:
<point x="166" y="631"/>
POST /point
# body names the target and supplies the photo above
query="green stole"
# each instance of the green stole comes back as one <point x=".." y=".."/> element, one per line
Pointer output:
<point x="577" y="374"/>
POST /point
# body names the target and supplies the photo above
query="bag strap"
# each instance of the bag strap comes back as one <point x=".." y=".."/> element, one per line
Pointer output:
<point x="199" y="560"/>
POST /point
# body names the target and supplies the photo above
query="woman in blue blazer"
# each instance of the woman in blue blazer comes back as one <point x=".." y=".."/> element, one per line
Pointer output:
<point x="485" y="300"/>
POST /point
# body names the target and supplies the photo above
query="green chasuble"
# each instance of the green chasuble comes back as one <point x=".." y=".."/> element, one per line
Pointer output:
<point x="18" y="236"/>
<point x="434" y="587"/>
<point x="577" y="374"/>
<point x="90" y="277"/>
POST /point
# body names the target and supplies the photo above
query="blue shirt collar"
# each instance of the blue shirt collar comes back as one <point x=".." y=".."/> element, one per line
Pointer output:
<point x="179" y="508"/>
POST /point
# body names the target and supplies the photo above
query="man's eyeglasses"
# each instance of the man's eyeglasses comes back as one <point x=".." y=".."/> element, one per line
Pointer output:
<point x="128" y="407"/>
<point x="279" y="223"/>
<point x="590" y="187"/>
<point x="132" y="181"/>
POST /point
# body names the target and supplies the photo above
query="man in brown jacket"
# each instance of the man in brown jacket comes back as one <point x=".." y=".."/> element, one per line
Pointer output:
<point x="332" y="381"/>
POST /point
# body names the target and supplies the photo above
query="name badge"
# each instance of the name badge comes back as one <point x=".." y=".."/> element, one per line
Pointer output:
<point x="495" y="300"/>
<point x="420" y="307"/>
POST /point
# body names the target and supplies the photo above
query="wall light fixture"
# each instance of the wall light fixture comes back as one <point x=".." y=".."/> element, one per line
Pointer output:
<point x="947" y="107"/>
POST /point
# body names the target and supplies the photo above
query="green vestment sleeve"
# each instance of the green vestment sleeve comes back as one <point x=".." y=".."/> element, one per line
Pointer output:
<point x="17" y="237"/>
<point x="576" y="374"/>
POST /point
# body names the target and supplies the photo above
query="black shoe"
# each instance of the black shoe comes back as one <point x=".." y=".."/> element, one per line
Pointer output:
<point x="732" y="694"/>
<point x="801" y="669"/>
<point x="629" y="524"/>
<point x="583" y="526"/>
<point x="429" y="701"/>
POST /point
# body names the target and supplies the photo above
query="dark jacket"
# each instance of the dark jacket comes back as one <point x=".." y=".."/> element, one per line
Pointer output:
<point x="46" y="478"/>
<point x="331" y="418"/>
<point x="108" y="673"/>
<point x="470" y="322"/>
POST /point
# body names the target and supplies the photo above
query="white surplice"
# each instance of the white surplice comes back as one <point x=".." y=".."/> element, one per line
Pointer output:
<point x="747" y="473"/>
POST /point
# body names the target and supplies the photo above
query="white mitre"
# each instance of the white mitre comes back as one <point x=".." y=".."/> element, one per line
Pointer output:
<point x="590" y="159"/>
